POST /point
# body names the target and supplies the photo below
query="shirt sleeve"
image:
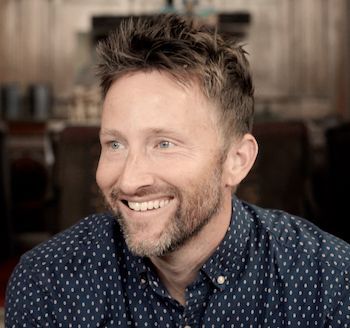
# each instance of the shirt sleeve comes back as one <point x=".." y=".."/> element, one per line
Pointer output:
<point x="26" y="301"/>
<point x="340" y="317"/>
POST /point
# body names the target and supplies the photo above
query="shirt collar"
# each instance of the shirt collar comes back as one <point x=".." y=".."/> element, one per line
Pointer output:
<point x="225" y="258"/>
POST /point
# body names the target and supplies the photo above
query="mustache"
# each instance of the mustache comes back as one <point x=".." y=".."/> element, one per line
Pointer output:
<point x="117" y="193"/>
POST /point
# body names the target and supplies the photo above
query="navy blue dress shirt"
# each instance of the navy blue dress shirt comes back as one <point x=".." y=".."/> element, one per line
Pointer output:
<point x="271" y="270"/>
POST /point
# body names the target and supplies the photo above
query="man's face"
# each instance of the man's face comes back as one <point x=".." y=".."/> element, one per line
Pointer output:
<point x="160" y="168"/>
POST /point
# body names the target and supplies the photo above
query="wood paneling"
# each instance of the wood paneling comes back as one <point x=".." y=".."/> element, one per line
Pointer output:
<point x="25" y="49"/>
<point x="297" y="48"/>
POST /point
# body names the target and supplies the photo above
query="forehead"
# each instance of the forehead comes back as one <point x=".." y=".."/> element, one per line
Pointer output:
<point x="155" y="97"/>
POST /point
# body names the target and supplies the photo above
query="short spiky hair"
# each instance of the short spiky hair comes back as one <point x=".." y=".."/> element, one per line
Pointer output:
<point x="173" y="44"/>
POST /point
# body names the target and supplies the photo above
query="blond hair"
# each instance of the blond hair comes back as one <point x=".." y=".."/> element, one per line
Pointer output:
<point x="172" y="44"/>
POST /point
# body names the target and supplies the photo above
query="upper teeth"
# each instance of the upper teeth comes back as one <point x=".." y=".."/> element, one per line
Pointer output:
<point x="144" y="206"/>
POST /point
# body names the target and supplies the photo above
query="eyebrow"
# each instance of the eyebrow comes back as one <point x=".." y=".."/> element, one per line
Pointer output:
<point x="159" y="131"/>
<point x="154" y="131"/>
<point x="109" y="132"/>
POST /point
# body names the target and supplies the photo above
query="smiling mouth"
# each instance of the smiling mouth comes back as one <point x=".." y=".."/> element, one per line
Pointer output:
<point x="146" y="206"/>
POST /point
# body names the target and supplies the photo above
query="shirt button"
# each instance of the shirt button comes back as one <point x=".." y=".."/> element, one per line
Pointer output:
<point x="221" y="280"/>
<point x="143" y="281"/>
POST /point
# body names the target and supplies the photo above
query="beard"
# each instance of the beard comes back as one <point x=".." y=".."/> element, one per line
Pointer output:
<point x="197" y="205"/>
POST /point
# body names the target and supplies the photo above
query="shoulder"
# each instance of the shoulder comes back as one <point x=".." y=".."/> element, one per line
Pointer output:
<point x="306" y="265"/>
<point x="290" y="235"/>
<point x="49" y="275"/>
<point x="92" y="232"/>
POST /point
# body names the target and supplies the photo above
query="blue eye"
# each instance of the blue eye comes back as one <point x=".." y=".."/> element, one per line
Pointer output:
<point x="115" y="145"/>
<point x="165" y="144"/>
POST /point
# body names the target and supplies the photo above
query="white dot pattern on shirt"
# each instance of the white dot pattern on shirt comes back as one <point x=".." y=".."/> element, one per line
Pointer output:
<point x="271" y="270"/>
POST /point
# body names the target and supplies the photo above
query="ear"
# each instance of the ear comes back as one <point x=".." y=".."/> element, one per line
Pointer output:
<point x="240" y="159"/>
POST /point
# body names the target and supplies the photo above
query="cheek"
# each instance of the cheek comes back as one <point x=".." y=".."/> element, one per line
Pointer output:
<point x="100" y="177"/>
<point x="106" y="175"/>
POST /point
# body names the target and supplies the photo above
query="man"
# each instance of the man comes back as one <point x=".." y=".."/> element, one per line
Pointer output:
<point x="178" y="250"/>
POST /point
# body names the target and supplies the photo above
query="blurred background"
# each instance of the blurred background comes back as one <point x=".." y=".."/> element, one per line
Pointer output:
<point x="50" y="105"/>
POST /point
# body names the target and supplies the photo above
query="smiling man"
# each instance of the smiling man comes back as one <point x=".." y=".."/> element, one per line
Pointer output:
<point x="177" y="248"/>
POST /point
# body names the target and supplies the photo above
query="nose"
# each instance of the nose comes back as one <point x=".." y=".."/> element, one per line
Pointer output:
<point x="136" y="174"/>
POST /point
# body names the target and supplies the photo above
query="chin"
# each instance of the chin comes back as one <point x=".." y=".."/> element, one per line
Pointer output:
<point x="147" y="248"/>
<point x="142" y="241"/>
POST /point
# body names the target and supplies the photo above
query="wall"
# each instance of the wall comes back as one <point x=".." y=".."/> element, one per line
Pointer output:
<point x="297" y="48"/>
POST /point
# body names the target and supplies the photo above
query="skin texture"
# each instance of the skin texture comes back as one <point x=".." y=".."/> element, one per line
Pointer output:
<point x="161" y="141"/>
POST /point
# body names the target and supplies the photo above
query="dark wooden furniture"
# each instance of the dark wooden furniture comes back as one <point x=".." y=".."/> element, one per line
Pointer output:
<point x="78" y="150"/>
<point x="29" y="163"/>
<point x="279" y="177"/>
<point x="337" y="213"/>
<point x="6" y="240"/>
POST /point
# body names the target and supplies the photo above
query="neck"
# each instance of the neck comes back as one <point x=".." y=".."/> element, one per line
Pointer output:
<point x="179" y="269"/>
